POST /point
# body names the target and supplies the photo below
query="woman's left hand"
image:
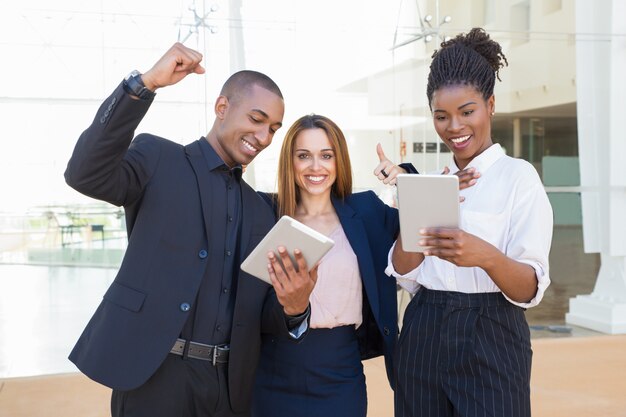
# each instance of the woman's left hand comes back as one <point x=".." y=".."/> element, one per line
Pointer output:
<point x="467" y="176"/>
<point x="457" y="246"/>
<point x="386" y="171"/>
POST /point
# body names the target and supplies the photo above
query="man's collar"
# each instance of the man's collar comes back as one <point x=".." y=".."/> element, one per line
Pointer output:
<point x="214" y="161"/>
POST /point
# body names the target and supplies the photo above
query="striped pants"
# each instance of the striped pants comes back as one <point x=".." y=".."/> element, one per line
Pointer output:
<point x="463" y="355"/>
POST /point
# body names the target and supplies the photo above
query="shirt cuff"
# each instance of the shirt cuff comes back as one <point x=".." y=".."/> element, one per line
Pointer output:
<point x="407" y="281"/>
<point x="543" y="281"/>
<point x="408" y="167"/>
<point x="299" y="324"/>
<point x="297" y="333"/>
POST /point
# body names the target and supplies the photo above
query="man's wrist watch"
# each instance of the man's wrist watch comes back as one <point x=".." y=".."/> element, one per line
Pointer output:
<point x="134" y="86"/>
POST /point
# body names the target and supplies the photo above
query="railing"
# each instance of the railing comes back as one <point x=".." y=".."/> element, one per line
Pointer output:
<point x="90" y="235"/>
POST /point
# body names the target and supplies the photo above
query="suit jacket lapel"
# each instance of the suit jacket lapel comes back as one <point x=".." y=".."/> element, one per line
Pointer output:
<point x="248" y="197"/>
<point x="355" y="231"/>
<point x="248" y="287"/>
<point x="204" y="178"/>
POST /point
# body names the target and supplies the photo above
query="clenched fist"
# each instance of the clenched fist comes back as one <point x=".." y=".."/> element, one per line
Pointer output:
<point x="178" y="62"/>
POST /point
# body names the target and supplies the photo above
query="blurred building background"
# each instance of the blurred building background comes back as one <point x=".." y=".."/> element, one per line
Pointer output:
<point x="362" y="63"/>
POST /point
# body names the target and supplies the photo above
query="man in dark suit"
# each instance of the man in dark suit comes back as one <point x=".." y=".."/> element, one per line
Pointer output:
<point x="178" y="331"/>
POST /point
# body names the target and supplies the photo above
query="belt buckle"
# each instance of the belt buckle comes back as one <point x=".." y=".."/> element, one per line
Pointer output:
<point x="214" y="359"/>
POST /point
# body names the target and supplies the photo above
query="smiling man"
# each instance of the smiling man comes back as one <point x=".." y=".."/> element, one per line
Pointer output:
<point x="178" y="331"/>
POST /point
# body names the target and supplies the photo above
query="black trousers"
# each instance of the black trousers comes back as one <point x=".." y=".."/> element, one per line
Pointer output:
<point x="463" y="355"/>
<point x="179" y="388"/>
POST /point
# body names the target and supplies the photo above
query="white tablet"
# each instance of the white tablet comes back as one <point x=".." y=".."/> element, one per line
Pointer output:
<point x="291" y="234"/>
<point x="426" y="201"/>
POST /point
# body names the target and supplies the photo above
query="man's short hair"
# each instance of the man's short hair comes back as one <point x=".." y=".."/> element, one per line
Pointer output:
<point x="241" y="82"/>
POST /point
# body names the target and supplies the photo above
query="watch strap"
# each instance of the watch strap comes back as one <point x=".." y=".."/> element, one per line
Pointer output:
<point x="134" y="85"/>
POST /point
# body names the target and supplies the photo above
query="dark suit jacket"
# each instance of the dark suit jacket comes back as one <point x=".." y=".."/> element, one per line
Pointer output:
<point x="371" y="228"/>
<point x="165" y="189"/>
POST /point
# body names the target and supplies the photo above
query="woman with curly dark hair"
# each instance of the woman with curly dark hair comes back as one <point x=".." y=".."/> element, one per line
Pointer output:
<point x="464" y="349"/>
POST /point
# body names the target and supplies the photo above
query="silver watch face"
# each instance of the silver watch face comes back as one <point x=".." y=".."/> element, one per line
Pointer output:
<point x="132" y="74"/>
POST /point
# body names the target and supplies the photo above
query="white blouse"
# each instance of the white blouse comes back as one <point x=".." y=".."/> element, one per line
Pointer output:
<point x="337" y="299"/>
<point x="507" y="207"/>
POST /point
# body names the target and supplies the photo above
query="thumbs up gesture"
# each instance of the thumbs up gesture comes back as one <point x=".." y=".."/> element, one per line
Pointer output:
<point x="386" y="171"/>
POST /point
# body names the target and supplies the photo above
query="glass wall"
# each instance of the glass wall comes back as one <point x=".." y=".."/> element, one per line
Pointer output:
<point x="363" y="63"/>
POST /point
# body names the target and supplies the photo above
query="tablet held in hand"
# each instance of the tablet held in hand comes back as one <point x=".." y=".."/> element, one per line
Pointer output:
<point x="291" y="234"/>
<point x="426" y="201"/>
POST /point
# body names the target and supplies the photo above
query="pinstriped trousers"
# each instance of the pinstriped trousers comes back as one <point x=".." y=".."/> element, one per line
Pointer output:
<point x="465" y="355"/>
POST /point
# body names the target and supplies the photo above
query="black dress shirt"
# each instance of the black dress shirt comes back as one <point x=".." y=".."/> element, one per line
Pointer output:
<point x="211" y="317"/>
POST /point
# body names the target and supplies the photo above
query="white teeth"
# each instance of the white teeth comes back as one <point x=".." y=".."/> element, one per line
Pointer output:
<point x="461" y="139"/>
<point x="315" y="179"/>
<point x="248" y="146"/>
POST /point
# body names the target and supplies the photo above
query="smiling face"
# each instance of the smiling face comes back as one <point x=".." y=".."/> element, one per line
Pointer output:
<point x="314" y="163"/>
<point x="245" y="125"/>
<point x="462" y="119"/>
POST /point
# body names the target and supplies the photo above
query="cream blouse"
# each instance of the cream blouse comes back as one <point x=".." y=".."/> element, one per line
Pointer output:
<point x="337" y="299"/>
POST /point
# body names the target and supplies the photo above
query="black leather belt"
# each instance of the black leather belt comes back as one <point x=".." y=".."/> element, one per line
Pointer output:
<point x="215" y="354"/>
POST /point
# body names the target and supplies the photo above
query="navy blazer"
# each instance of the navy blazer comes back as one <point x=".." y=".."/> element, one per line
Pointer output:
<point x="165" y="189"/>
<point x="371" y="227"/>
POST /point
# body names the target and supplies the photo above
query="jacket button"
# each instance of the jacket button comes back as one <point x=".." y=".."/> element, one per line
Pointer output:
<point x="185" y="307"/>
<point x="386" y="331"/>
<point x="203" y="254"/>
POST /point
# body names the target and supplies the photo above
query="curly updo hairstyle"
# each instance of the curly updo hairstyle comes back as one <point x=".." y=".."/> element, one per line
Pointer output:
<point x="472" y="59"/>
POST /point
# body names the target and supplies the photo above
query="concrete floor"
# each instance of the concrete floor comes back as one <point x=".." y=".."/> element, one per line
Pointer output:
<point x="571" y="377"/>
